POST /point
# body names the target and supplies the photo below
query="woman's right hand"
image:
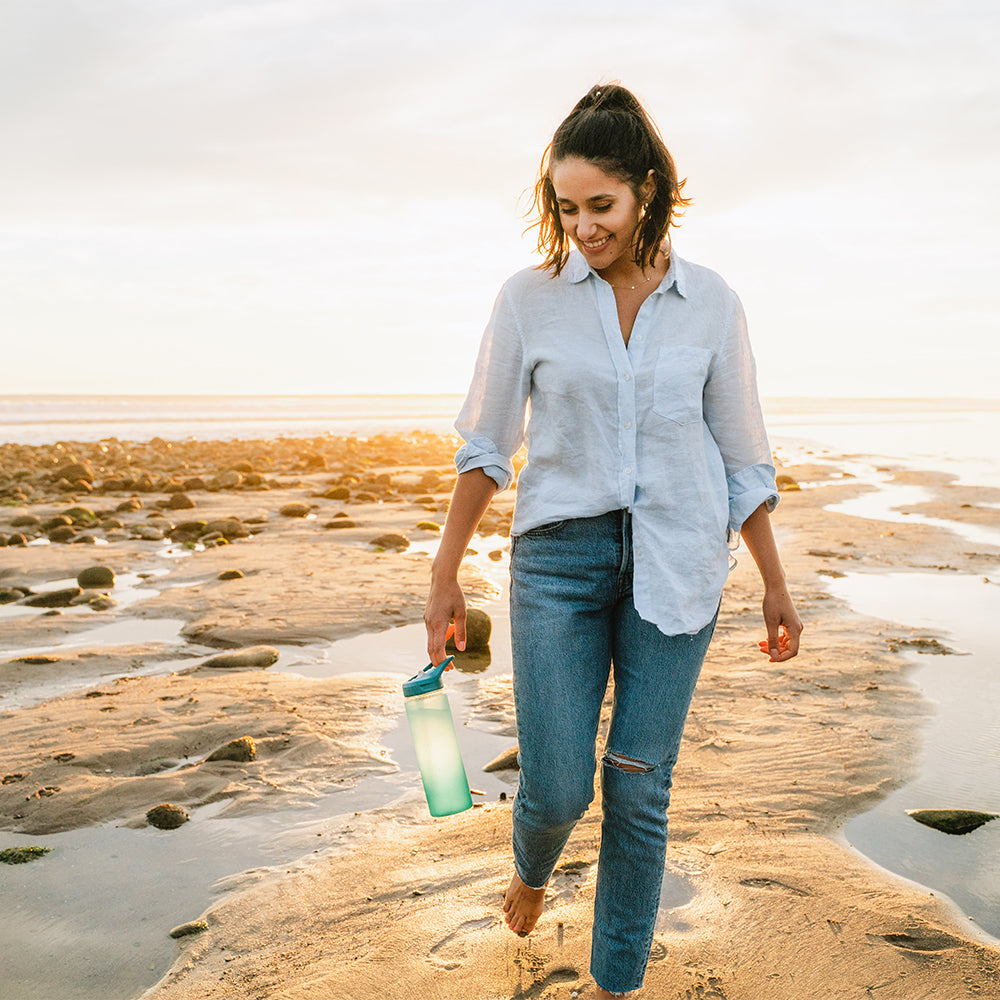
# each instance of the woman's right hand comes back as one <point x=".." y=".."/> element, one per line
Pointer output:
<point x="445" y="603"/>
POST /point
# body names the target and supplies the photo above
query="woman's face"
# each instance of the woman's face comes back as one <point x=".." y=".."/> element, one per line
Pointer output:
<point x="599" y="213"/>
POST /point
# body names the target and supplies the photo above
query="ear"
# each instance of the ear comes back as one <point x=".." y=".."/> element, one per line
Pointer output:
<point x="648" y="187"/>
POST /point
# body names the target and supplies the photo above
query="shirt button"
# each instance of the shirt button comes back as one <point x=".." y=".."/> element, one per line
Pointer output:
<point x="628" y="424"/>
<point x="628" y="470"/>
<point x="628" y="378"/>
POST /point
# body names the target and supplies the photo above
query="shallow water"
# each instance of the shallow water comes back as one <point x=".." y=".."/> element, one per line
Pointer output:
<point x="959" y="766"/>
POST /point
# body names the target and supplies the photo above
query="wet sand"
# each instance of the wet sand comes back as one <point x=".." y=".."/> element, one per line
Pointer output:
<point x="775" y="759"/>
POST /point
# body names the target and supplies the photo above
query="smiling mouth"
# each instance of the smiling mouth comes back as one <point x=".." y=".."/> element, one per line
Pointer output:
<point x="596" y="244"/>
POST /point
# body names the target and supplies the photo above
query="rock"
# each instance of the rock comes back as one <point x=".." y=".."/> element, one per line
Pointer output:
<point x="179" y="501"/>
<point x="478" y="628"/>
<point x="56" y="522"/>
<point x="102" y="603"/>
<point x="364" y="497"/>
<point x="16" y="539"/>
<point x="507" y="761"/>
<point x="22" y="855"/>
<point x="81" y="516"/>
<point x="242" y="750"/>
<point x="496" y="555"/>
<point x="228" y="527"/>
<point x="64" y="533"/>
<point x="96" y="576"/>
<point x="26" y="521"/>
<point x="167" y="816"/>
<point x="126" y="506"/>
<point x="75" y="471"/>
<point x="953" y="821"/>
<point x="10" y="596"/>
<point x="188" y="531"/>
<point x="786" y="484"/>
<point x="338" y="493"/>
<point x="148" y="532"/>
<point x="295" y="510"/>
<point x="341" y="522"/>
<point x="185" y="930"/>
<point x="84" y="540"/>
<point x="230" y="574"/>
<point x="428" y="526"/>
<point x="252" y="656"/>
<point x="229" y="479"/>
<point x="194" y="483"/>
<point x="391" y="540"/>
<point x="53" y="598"/>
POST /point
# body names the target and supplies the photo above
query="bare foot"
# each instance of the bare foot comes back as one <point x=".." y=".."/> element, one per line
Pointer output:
<point x="603" y="994"/>
<point x="522" y="906"/>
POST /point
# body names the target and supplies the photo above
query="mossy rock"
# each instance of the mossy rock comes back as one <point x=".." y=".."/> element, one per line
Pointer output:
<point x="391" y="540"/>
<point x="295" y="510"/>
<point x="252" y="656"/>
<point x="53" y="598"/>
<point x="952" y="821"/>
<point x="428" y="526"/>
<point x="186" y="930"/>
<point x="95" y="577"/>
<point x="478" y="629"/>
<point x="507" y="761"/>
<point x="338" y="493"/>
<point x="231" y="574"/>
<point x="22" y="855"/>
<point x="167" y="816"/>
<point x="81" y="515"/>
<point x="787" y="484"/>
<point x="242" y="750"/>
<point x="340" y="522"/>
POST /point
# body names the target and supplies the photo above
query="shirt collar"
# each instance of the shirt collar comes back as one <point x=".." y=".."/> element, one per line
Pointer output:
<point x="577" y="269"/>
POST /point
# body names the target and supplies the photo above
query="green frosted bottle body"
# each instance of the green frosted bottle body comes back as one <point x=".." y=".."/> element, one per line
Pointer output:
<point x="438" y="755"/>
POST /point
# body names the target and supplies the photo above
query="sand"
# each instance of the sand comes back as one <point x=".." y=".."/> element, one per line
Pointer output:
<point x="771" y="904"/>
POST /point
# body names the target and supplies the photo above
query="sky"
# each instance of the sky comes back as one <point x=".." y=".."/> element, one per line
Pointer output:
<point x="323" y="196"/>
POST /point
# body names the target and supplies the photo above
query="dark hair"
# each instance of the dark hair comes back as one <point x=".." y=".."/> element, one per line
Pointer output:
<point x="611" y="129"/>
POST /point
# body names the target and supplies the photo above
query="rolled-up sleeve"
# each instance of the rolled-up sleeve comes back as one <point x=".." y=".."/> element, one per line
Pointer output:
<point x="491" y="421"/>
<point x="733" y="414"/>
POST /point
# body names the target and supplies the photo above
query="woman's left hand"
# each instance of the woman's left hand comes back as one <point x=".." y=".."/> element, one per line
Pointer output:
<point x="783" y="626"/>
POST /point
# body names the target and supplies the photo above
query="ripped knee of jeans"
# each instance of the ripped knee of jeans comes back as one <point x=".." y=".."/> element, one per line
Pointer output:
<point x="624" y="763"/>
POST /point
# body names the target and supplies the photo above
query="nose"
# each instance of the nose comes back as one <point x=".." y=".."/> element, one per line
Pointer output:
<point x="586" y="226"/>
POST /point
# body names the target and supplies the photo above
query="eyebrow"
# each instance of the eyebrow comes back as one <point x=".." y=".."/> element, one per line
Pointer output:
<point x="597" y="197"/>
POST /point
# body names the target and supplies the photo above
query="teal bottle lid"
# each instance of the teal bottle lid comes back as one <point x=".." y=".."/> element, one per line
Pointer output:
<point x="428" y="679"/>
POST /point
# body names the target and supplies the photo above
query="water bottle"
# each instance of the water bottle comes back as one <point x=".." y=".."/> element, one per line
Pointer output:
<point x="434" y="739"/>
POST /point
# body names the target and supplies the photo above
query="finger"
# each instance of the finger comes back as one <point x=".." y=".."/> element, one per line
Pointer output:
<point x="773" y="647"/>
<point x="793" y="640"/>
<point x="460" y="630"/>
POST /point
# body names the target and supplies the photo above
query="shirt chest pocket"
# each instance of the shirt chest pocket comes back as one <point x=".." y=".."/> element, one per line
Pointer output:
<point x="678" y="382"/>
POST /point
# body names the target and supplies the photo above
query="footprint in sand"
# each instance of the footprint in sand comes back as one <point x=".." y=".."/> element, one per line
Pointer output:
<point x="920" y="939"/>
<point x="564" y="974"/>
<point x="771" y="883"/>
<point x="708" y="989"/>
<point x="450" y="951"/>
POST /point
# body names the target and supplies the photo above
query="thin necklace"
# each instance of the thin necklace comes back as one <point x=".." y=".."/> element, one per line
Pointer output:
<point x="631" y="288"/>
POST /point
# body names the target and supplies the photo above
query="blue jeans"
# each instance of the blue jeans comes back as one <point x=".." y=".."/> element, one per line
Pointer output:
<point x="572" y="618"/>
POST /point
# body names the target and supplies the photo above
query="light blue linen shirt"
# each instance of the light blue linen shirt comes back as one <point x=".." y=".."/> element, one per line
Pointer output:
<point x="669" y="427"/>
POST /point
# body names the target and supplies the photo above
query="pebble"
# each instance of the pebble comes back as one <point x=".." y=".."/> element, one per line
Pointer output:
<point x="96" y="576"/>
<point x="252" y="656"/>
<point x="295" y="510"/>
<point x="242" y="750"/>
<point x="53" y="598"/>
<point x="391" y="540"/>
<point x="185" y="930"/>
<point x="167" y="816"/>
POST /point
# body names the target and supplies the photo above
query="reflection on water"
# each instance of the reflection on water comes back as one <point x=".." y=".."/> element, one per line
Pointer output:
<point x="961" y="743"/>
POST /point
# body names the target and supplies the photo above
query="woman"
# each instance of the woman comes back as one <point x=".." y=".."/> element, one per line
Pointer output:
<point x="647" y="456"/>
